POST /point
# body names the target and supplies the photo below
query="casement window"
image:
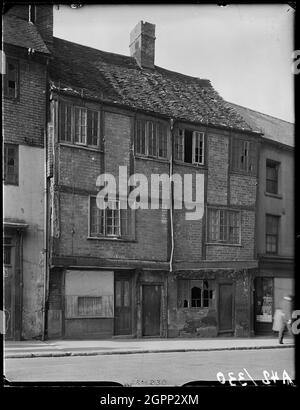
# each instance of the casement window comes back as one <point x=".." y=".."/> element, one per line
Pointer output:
<point x="189" y="146"/>
<point x="78" y="125"/>
<point x="110" y="222"/>
<point x="11" y="166"/>
<point x="11" y="79"/>
<point x="224" y="226"/>
<point x="243" y="156"/>
<point x="89" y="305"/>
<point x="272" y="176"/>
<point x="272" y="233"/>
<point x="7" y="246"/>
<point x="192" y="293"/>
<point x="151" y="139"/>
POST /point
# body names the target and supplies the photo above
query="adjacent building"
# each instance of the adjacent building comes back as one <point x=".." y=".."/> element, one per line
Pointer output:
<point x="26" y="43"/>
<point x="275" y="216"/>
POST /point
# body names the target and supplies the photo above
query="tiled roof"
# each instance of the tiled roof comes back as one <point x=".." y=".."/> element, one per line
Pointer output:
<point x="272" y="128"/>
<point x="22" y="33"/>
<point x="118" y="79"/>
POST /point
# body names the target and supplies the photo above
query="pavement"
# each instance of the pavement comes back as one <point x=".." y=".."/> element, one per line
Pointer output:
<point x="61" y="348"/>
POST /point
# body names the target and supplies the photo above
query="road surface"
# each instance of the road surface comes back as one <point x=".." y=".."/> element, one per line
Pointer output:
<point x="160" y="369"/>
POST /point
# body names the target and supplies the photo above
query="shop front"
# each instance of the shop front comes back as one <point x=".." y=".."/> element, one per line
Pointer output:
<point x="270" y="286"/>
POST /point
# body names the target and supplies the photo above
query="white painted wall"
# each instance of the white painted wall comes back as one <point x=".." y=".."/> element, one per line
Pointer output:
<point x="26" y="202"/>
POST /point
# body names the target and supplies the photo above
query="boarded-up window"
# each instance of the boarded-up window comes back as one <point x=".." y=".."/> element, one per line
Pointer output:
<point x="89" y="293"/>
<point x="89" y="305"/>
<point x="195" y="293"/>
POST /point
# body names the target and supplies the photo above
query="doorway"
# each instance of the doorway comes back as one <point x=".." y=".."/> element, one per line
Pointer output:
<point x="225" y="307"/>
<point x="151" y="307"/>
<point x="123" y="304"/>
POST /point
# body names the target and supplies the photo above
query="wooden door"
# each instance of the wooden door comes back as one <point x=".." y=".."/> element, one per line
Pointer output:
<point x="225" y="307"/>
<point x="9" y="286"/>
<point x="151" y="310"/>
<point x="123" y="305"/>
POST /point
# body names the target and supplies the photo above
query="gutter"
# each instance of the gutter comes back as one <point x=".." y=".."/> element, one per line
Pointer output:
<point x="45" y="245"/>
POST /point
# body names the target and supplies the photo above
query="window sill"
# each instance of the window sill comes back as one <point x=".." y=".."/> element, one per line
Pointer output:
<point x="277" y="196"/>
<point x="89" y="317"/>
<point x="11" y="183"/>
<point x="188" y="164"/>
<point x="235" y="245"/>
<point x="162" y="160"/>
<point x="78" y="146"/>
<point x="112" y="239"/>
<point x="243" y="173"/>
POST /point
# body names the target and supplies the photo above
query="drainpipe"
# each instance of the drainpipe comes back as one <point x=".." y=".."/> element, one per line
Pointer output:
<point x="45" y="247"/>
<point x="172" y="197"/>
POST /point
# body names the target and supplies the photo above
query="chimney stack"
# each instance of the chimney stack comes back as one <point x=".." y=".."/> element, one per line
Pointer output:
<point x="142" y="44"/>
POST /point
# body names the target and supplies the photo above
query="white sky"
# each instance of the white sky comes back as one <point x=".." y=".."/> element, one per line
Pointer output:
<point x="244" y="50"/>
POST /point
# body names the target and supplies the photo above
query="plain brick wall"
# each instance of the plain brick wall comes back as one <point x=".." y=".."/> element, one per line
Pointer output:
<point x="243" y="252"/>
<point x="25" y="117"/>
<point x="151" y="233"/>
<point x="218" y="157"/>
<point x="79" y="168"/>
<point x="243" y="190"/>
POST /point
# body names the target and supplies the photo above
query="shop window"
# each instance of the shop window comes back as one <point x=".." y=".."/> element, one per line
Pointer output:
<point x="264" y="299"/>
<point x="11" y="164"/>
<point x="243" y="156"/>
<point x="272" y="233"/>
<point x="151" y="139"/>
<point x="189" y="146"/>
<point x="272" y="177"/>
<point x="195" y="293"/>
<point x="224" y="226"/>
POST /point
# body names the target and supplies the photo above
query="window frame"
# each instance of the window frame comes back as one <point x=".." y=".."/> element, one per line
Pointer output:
<point x="179" y="141"/>
<point x="7" y="246"/>
<point x="275" y="165"/>
<point x="124" y="216"/>
<point x="272" y="235"/>
<point x="5" y="79"/>
<point x="189" y="285"/>
<point x="158" y="135"/>
<point x="238" y="146"/>
<point x="14" y="181"/>
<point x="83" y="140"/>
<point x="226" y="226"/>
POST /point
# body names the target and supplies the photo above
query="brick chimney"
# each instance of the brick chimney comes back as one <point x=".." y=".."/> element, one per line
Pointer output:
<point x="43" y="20"/>
<point x="142" y="44"/>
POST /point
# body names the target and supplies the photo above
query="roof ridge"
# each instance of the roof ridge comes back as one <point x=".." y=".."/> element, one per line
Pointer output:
<point x="93" y="48"/>
<point x="259" y="112"/>
<point x="133" y="59"/>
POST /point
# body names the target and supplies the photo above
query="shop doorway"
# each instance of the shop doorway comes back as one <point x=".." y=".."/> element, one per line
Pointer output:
<point x="151" y="308"/>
